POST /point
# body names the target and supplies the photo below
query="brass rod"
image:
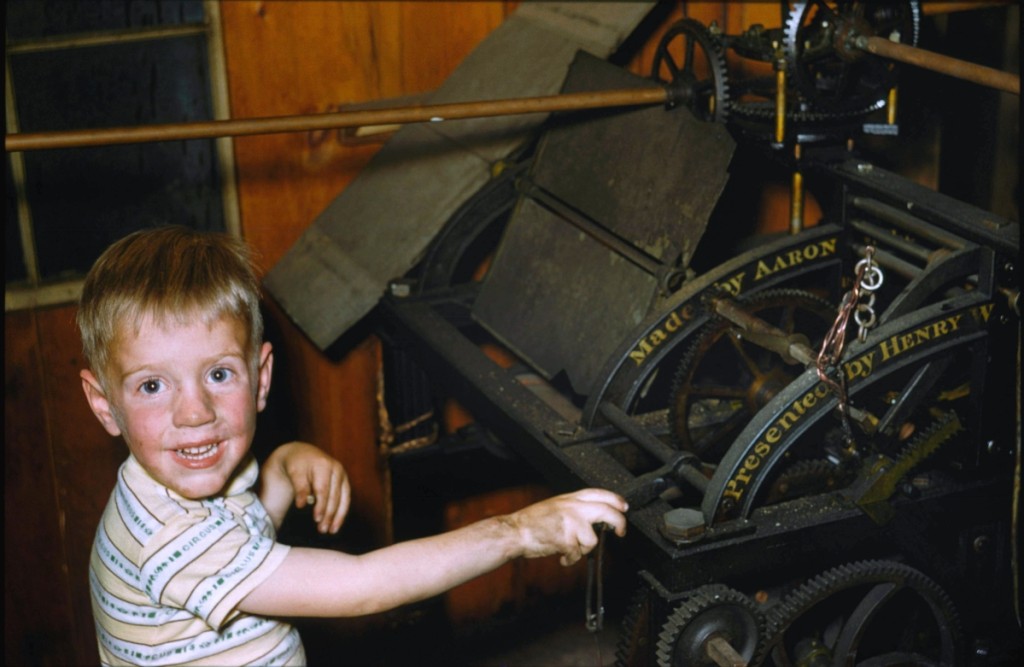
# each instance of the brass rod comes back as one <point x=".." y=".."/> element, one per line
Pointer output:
<point x="959" y="69"/>
<point x="931" y="8"/>
<point x="329" y="121"/>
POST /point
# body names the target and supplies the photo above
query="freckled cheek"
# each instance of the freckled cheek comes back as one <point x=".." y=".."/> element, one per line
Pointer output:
<point x="239" y="409"/>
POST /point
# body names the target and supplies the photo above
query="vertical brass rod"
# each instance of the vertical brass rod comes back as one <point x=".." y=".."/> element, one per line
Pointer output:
<point x="780" y="104"/>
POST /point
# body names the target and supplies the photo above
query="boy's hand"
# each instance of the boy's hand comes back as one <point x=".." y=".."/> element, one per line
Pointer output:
<point x="316" y="479"/>
<point x="566" y="524"/>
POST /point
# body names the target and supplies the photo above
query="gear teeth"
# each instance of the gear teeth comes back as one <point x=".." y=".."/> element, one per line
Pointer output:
<point x="806" y="596"/>
<point x="637" y="642"/>
<point x="715" y="52"/>
<point x="925" y="443"/>
<point x="794" y="53"/>
<point x="701" y="600"/>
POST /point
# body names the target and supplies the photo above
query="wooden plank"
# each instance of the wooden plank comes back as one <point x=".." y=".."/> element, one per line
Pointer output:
<point x="38" y="625"/>
<point x="86" y="459"/>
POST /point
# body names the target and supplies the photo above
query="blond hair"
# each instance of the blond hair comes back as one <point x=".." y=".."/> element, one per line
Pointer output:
<point x="168" y="273"/>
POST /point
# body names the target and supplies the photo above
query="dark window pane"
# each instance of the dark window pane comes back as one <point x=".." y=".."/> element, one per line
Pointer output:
<point x="82" y="199"/>
<point x="27" y="19"/>
<point x="135" y="83"/>
<point x="14" y="261"/>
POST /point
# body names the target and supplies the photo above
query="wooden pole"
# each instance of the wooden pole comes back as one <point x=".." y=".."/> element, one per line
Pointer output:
<point x="936" y="62"/>
<point x="327" y="121"/>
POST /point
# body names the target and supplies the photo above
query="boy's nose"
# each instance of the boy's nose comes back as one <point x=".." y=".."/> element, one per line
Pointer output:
<point x="193" y="408"/>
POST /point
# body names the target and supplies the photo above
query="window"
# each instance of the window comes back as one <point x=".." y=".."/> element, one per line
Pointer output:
<point x="108" y="63"/>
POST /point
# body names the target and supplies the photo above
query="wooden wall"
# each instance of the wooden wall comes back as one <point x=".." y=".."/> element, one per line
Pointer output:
<point x="283" y="58"/>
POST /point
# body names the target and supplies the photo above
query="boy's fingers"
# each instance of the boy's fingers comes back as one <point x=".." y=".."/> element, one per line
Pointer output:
<point x="326" y="514"/>
<point x="343" y="504"/>
<point x="571" y="557"/>
<point x="602" y="496"/>
<point x="304" y="495"/>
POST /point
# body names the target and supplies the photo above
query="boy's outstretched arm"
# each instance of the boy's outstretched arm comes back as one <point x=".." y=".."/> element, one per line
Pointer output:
<point x="299" y="472"/>
<point x="320" y="582"/>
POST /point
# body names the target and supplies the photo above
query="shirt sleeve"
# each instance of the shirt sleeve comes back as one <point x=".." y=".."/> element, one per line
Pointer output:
<point x="207" y="565"/>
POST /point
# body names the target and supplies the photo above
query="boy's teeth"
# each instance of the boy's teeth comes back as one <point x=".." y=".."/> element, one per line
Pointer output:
<point x="197" y="451"/>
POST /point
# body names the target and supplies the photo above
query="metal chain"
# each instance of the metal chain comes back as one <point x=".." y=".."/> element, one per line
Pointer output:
<point x="868" y="277"/>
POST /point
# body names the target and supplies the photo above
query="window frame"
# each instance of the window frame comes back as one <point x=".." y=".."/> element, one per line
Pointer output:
<point x="33" y="292"/>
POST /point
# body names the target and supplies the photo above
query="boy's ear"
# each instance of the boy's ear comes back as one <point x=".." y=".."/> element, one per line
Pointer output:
<point x="98" y="402"/>
<point x="263" y="374"/>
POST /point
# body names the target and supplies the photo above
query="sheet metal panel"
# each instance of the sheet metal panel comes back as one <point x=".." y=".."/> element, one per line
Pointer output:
<point x="617" y="199"/>
<point x="381" y="224"/>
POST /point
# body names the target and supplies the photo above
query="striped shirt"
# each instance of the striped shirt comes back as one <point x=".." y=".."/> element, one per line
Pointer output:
<point x="167" y="574"/>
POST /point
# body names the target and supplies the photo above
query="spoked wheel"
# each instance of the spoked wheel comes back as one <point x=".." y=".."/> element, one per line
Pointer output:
<point x="723" y="379"/>
<point x="692" y="61"/>
<point x="868" y="614"/>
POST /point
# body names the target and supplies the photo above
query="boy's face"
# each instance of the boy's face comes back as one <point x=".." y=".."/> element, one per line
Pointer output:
<point x="184" y="399"/>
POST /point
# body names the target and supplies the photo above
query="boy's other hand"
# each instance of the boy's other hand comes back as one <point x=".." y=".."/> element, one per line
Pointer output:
<point x="565" y="524"/>
<point x="318" y="480"/>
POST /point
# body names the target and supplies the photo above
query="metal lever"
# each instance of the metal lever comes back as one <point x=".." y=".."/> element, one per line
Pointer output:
<point x="594" y="614"/>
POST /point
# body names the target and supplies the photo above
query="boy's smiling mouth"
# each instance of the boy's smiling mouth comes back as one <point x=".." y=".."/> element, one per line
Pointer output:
<point x="200" y="456"/>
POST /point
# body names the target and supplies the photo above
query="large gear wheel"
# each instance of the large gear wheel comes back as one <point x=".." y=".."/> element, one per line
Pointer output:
<point x="711" y="611"/>
<point x="691" y="62"/>
<point x="723" y="380"/>
<point x="875" y="612"/>
<point x="832" y="74"/>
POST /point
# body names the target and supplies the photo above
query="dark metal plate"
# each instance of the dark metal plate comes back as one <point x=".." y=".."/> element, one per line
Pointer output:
<point x="615" y="201"/>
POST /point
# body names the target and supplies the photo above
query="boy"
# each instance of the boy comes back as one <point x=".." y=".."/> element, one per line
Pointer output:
<point x="185" y="567"/>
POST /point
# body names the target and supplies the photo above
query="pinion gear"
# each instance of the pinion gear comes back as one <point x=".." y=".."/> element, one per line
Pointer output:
<point x="711" y="610"/>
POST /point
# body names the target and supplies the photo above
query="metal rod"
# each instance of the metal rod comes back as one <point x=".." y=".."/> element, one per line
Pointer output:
<point x="930" y="8"/>
<point x="882" y="237"/>
<point x="722" y="653"/>
<point x="651" y="443"/>
<point x="908" y="222"/>
<point x="936" y="62"/>
<point x="792" y="347"/>
<point x="892" y="263"/>
<point x="328" y="121"/>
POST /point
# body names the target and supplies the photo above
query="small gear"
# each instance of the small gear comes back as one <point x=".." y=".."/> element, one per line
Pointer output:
<point x="709" y="611"/>
<point x="872" y="491"/>
<point x="765" y="111"/>
<point x="828" y="71"/>
<point x="807" y="477"/>
<point x="696" y="77"/>
<point x="881" y="607"/>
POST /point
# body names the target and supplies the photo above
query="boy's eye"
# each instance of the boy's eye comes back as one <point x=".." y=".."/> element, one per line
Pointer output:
<point x="220" y="374"/>
<point x="151" y="386"/>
